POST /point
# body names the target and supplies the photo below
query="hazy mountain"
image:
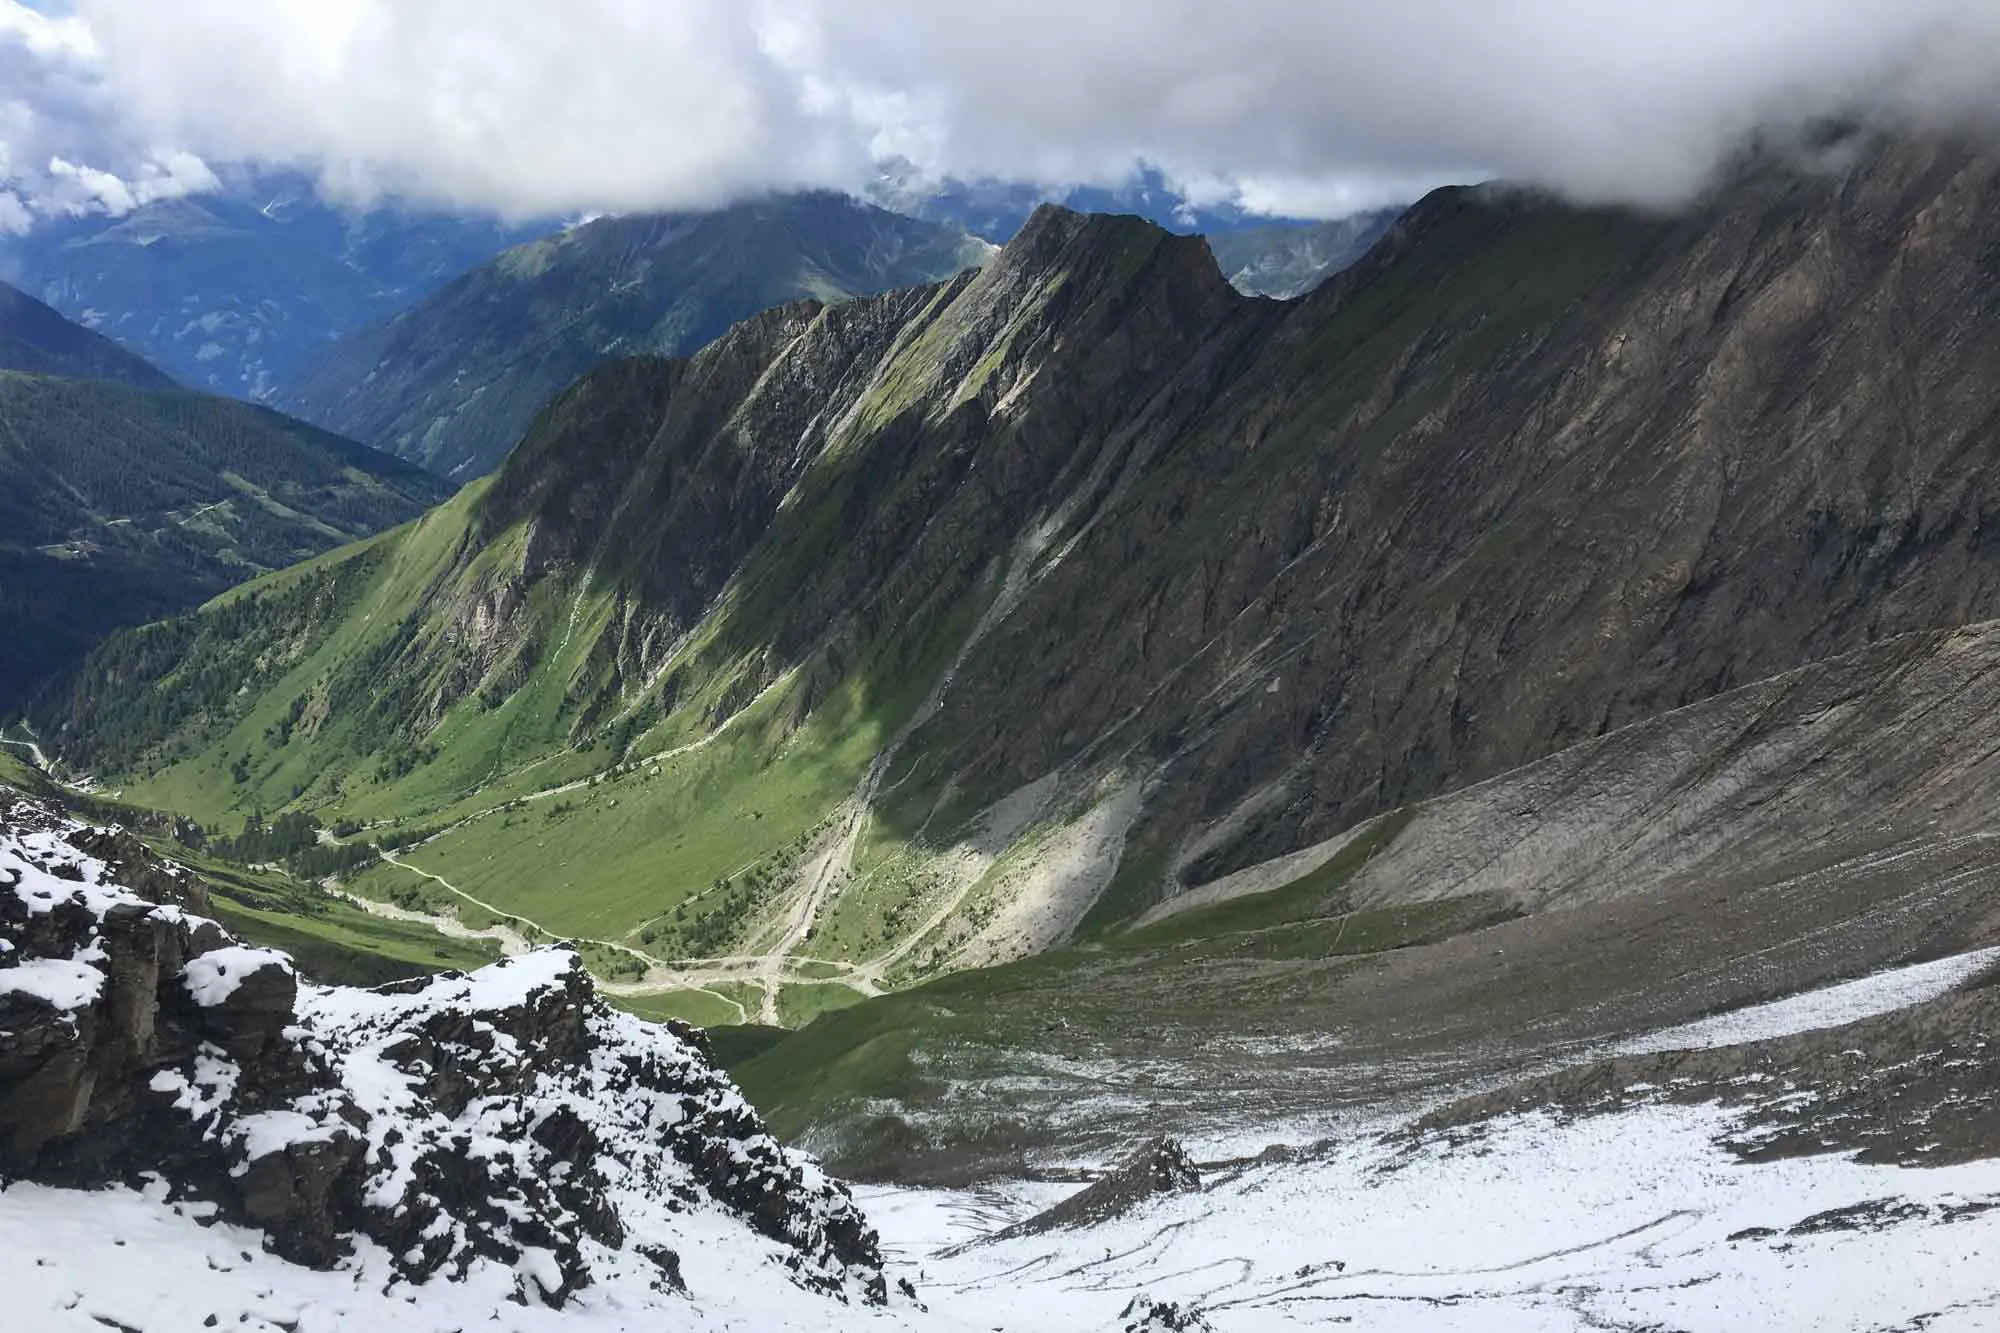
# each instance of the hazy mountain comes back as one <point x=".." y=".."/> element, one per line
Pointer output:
<point x="452" y="382"/>
<point x="1290" y="260"/>
<point x="36" y="340"/>
<point x="997" y="209"/>
<point x="229" y="291"/>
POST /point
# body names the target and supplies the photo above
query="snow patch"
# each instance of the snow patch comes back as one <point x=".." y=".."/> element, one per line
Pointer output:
<point x="60" y="983"/>
<point x="1828" y="1007"/>
<point x="213" y="978"/>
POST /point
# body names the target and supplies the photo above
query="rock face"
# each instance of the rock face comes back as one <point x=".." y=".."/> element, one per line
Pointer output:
<point x="1146" y="1315"/>
<point x="506" y="1117"/>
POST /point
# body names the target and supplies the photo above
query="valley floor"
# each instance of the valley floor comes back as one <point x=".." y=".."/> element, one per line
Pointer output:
<point x="1660" y="1206"/>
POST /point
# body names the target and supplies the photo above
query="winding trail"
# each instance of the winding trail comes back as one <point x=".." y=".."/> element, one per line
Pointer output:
<point x="661" y="977"/>
<point x="512" y="943"/>
<point x="35" y="755"/>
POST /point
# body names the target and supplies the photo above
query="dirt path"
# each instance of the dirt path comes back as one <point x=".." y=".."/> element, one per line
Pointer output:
<point x="34" y="752"/>
<point x="512" y="943"/>
<point x="36" y="755"/>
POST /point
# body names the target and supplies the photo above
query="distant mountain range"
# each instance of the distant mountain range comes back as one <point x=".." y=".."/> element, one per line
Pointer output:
<point x="454" y="380"/>
<point x="997" y="209"/>
<point x="125" y="498"/>
<point x="229" y="291"/>
<point x="409" y="331"/>
<point x="1291" y="259"/>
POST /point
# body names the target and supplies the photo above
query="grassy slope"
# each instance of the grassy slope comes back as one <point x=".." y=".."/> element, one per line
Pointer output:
<point x="332" y="940"/>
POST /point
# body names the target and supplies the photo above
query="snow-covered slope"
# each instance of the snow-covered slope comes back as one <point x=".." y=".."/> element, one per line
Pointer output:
<point x="1632" y="1220"/>
<point x="503" y="1135"/>
<point x="191" y="1137"/>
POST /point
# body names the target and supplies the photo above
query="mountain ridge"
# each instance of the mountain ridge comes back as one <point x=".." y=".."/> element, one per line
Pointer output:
<point x="1053" y="591"/>
<point x="455" y="380"/>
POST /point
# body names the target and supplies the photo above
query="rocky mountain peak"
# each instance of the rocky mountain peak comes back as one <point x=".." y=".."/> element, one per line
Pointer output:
<point x="1115" y="248"/>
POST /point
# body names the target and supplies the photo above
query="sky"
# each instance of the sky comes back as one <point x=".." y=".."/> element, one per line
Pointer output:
<point x="1302" y="107"/>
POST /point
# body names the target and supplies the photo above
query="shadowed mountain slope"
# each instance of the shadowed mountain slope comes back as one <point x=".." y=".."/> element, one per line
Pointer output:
<point x="119" y="505"/>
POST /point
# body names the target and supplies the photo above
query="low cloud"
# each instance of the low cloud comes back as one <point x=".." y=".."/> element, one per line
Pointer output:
<point x="66" y="148"/>
<point x="1308" y="106"/>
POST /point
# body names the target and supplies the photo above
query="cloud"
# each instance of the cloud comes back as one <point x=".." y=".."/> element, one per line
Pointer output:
<point x="15" y="219"/>
<point x="1601" y="98"/>
<point x="76" y="188"/>
<point x="1316" y="106"/>
<point x="65" y="147"/>
<point x="520" y="105"/>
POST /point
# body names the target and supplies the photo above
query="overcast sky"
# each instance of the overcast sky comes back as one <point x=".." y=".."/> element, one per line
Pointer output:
<point x="1302" y="106"/>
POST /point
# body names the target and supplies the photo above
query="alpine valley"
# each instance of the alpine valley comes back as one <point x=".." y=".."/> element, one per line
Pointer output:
<point x="1463" y="799"/>
<point x="124" y="498"/>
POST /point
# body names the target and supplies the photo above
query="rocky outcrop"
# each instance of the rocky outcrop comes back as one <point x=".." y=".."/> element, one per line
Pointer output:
<point x="1158" y="1166"/>
<point x="507" y="1117"/>
<point x="1143" y="1314"/>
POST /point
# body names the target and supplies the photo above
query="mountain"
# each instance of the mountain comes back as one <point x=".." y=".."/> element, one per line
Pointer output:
<point x="937" y="629"/>
<point x="230" y="291"/>
<point x="1511" y="726"/>
<point x="452" y="382"/>
<point x="119" y="505"/>
<point x="35" y="340"/>
<point x="1288" y="261"/>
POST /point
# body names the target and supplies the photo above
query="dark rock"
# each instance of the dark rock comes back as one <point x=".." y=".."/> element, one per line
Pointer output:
<point x="1146" y="1315"/>
<point x="1158" y="1166"/>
